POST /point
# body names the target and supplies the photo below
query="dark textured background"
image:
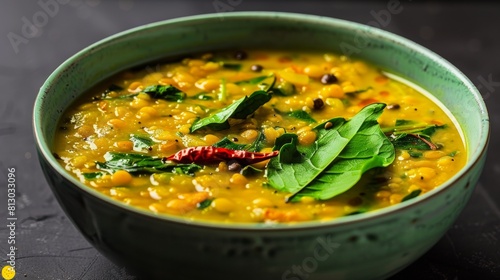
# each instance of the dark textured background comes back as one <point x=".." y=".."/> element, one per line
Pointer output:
<point x="51" y="248"/>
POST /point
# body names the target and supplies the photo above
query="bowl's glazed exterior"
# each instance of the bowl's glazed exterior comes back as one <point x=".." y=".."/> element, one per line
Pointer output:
<point x="366" y="246"/>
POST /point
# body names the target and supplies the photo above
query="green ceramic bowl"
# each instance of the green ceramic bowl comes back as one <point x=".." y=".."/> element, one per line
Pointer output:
<point x="373" y="245"/>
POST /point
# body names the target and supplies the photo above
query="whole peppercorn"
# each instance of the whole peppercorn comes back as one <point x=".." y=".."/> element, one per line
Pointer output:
<point x="256" y="68"/>
<point x="328" y="79"/>
<point x="240" y="55"/>
<point x="318" y="103"/>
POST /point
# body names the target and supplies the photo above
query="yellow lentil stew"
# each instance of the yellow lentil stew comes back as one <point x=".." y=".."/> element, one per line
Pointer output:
<point x="259" y="136"/>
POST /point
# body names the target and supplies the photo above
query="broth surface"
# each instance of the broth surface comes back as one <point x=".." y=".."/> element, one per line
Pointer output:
<point x="119" y="116"/>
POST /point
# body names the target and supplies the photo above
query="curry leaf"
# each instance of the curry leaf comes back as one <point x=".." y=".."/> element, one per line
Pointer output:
<point x="140" y="163"/>
<point x="169" y="92"/>
<point x="335" y="161"/>
<point x="240" y="109"/>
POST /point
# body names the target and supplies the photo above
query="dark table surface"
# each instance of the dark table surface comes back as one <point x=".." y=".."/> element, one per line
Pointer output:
<point x="49" y="246"/>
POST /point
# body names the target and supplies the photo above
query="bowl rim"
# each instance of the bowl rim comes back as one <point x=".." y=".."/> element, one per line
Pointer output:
<point x="473" y="159"/>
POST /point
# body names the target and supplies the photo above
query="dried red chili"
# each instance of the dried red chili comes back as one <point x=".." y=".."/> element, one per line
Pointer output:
<point x="209" y="154"/>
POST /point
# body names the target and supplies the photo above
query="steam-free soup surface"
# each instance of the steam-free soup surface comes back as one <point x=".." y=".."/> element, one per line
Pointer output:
<point x="129" y="115"/>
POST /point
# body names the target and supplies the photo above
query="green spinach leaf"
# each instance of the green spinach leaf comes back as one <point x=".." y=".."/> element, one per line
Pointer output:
<point x="140" y="163"/>
<point x="335" y="161"/>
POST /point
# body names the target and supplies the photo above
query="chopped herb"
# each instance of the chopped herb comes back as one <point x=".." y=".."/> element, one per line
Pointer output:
<point x="302" y="115"/>
<point x="415" y="154"/>
<point x="253" y="81"/>
<point x="285" y="88"/>
<point x="202" y="96"/>
<point x="401" y="122"/>
<point x="358" y="91"/>
<point x="413" y="194"/>
<point x="223" y="90"/>
<point x="231" y="66"/>
<point x="169" y="92"/>
<point x="228" y="144"/>
<point x="205" y="203"/>
<point x="454" y="153"/>
<point x="356" y="212"/>
<point x="141" y="142"/>
<point x="114" y="87"/>
<point x="120" y="97"/>
<point x="250" y="171"/>
<point x="255" y="146"/>
<point x="92" y="175"/>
